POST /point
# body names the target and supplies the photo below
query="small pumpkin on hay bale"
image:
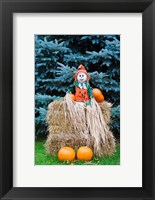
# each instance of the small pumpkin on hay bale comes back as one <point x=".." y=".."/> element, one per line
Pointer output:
<point x="80" y="122"/>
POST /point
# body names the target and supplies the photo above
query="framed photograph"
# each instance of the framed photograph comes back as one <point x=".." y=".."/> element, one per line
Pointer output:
<point x="77" y="99"/>
<point x="77" y="94"/>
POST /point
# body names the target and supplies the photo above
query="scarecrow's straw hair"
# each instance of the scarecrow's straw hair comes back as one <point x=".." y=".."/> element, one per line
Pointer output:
<point x="74" y="124"/>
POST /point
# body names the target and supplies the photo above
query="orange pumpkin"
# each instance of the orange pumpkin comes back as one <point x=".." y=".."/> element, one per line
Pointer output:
<point x="72" y="97"/>
<point x="98" y="95"/>
<point x="100" y="99"/>
<point x="66" y="153"/>
<point x="84" y="153"/>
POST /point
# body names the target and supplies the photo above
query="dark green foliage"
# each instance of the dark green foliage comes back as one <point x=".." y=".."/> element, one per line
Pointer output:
<point x="57" y="58"/>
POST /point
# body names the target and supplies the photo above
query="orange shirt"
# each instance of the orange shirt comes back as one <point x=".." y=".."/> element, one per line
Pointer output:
<point x="81" y="94"/>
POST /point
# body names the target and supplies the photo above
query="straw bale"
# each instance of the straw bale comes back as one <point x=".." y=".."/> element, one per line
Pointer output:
<point x="74" y="124"/>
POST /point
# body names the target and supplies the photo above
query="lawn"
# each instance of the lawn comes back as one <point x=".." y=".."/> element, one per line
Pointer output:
<point x="42" y="158"/>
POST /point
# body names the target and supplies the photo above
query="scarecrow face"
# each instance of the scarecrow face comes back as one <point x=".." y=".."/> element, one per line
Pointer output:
<point x="81" y="77"/>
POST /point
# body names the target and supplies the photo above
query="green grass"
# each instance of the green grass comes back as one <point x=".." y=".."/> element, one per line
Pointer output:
<point x="42" y="158"/>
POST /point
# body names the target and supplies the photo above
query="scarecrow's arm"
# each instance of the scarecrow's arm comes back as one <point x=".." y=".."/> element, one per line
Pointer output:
<point x="90" y="92"/>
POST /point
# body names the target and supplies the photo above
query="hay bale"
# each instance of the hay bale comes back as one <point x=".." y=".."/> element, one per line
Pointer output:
<point x="105" y="108"/>
<point x="63" y="133"/>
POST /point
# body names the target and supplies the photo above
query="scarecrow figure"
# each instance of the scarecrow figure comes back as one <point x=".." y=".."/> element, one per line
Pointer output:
<point x="83" y="91"/>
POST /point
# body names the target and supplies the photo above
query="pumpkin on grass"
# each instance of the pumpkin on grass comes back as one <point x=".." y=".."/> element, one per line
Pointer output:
<point x="98" y="95"/>
<point x="84" y="153"/>
<point x="66" y="153"/>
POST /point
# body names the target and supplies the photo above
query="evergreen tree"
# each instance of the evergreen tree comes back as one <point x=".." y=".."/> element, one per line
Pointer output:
<point x="56" y="60"/>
